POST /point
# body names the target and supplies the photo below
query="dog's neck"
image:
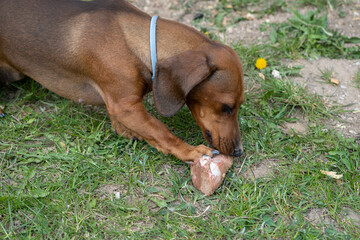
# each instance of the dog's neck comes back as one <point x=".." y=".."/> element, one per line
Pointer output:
<point x="170" y="42"/>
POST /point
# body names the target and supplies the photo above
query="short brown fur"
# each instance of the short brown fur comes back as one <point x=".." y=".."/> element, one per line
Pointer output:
<point x="97" y="52"/>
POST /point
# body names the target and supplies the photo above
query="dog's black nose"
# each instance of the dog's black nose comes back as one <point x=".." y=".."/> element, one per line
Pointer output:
<point x="238" y="152"/>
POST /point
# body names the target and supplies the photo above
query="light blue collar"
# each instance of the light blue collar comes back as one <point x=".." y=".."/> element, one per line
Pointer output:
<point x="153" y="44"/>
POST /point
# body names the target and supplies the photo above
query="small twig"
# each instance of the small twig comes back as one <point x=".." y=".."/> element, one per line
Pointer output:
<point x="242" y="165"/>
<point x="15" y="118"/>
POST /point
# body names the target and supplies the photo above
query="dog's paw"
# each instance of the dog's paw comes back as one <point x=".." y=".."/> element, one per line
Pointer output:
<point x="200" y="151"/>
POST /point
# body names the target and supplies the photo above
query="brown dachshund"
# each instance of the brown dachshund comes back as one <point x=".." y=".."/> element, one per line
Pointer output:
<point x="98" y="52"/>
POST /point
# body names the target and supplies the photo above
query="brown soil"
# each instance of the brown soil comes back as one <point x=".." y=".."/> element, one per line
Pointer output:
<point x="344" y="93"/>
<point x="261" y="170"/>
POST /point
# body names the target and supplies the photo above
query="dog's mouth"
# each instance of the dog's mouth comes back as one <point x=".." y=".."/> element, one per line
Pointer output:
<point x="209" y="137"/>
<point x="225" y="146"/>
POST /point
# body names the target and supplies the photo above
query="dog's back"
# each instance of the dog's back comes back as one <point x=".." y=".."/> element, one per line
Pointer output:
<point x="48" y="32"/>
<point x="51" y="41"/>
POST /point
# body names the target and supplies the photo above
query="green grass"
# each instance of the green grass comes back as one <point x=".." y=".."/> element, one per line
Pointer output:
<point x="327" y="75"/>
<point x="357" y="79"/>
<point x="324" y="4"/>
<point x="60" y="165"/>
<point x="309" y="36"/>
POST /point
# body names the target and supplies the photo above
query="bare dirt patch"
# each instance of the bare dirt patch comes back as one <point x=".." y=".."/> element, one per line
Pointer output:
<point x="320" y="216"/>
<point x="345" y="93"/>
<point x="349" y="22"/>
<point x="110" y="191"/>
<point x="298" y="127"/>
<point x="350" y="215"/>
<point x="263" y="169"/>
<point x="174" y="10"/>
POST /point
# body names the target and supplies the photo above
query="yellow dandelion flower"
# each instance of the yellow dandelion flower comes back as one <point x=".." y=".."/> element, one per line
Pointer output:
<point x="260" y="63"/>
<point x="206" y="33"/>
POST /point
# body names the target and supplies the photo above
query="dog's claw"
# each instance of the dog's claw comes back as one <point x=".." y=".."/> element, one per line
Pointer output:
<point x="215" y="152"/>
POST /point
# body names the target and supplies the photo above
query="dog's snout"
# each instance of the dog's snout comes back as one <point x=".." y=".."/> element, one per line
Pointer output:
<point x="238" y="152"/>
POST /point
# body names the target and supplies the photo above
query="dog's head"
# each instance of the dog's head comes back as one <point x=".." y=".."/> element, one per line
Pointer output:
<point x="210" y="81"/>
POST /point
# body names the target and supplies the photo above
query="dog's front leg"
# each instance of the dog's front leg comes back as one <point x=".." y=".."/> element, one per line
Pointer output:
<point x="133" y="116"/>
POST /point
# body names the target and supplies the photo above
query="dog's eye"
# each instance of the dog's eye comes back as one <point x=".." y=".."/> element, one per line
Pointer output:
<point x="227" y="109"/>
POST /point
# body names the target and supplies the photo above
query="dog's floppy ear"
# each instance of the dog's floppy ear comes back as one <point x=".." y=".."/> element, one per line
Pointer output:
<point x="176" y="76"/>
